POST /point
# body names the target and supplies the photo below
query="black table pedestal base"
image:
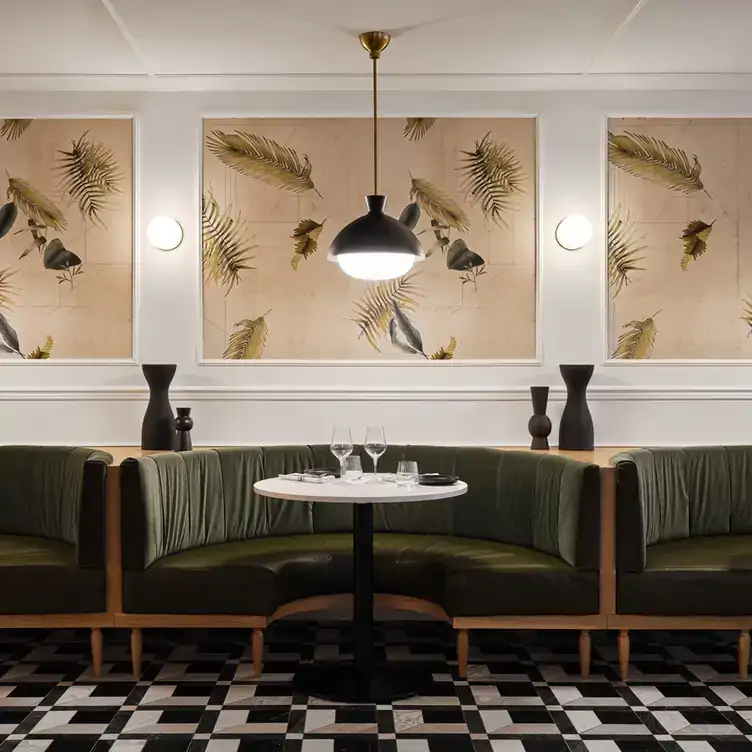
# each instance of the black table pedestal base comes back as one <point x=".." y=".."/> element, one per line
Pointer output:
<point x="341" y="683"/>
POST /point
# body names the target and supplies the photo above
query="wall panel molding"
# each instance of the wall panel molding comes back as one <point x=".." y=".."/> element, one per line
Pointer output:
<point x="359" y="394"/>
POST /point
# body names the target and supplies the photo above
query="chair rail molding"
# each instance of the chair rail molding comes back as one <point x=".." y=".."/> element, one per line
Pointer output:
<point x="370" y="394"/>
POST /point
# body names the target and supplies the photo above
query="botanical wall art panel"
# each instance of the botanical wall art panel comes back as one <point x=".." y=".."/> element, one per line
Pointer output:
<point x="679" y="238"/>
<point x="66" y="247"/>
<point x="275" y="192"/>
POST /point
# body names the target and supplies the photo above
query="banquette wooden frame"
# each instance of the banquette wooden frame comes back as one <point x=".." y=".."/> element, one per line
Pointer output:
<point x="606" y="619"/>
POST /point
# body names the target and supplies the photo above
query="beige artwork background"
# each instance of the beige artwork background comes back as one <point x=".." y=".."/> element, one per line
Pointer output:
<point x="93" y="318"/>
<point x="310" y="309"/>
<point x="700" y="309"/>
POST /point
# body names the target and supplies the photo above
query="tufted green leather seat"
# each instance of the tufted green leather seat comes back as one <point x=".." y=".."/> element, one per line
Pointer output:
<point x="52" y="531"/>
<point x="684" y="531"/>
<point x="197" y="539"/>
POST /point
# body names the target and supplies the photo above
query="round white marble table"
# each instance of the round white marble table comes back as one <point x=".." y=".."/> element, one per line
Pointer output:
<point x="360" y="681"/>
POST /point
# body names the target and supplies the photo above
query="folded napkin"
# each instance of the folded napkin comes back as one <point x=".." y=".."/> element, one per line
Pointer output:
<point x="306" y="477"/>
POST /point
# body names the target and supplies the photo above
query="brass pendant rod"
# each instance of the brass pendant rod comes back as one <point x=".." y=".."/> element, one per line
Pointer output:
<point x="375" y="130"/>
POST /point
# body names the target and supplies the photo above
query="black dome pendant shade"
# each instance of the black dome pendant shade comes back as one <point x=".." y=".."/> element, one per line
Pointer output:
<point x="375" y="246"/>
<point x="375" y="232"/>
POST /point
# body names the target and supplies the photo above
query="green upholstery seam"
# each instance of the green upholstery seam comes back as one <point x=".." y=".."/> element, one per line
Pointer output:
<point x="222" y="484"/>
<point x="189" y="490"/>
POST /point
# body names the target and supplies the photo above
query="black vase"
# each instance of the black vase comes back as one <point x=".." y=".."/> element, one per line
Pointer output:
<point x="576" y="427"/>
<point x="540" y="424"/>
<point x="158" y="428"/>
<point x="183" y="425"/>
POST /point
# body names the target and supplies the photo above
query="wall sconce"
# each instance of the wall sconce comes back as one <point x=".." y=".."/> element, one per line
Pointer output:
<point x="574" y="232"/>
<point x="164" y="233"/>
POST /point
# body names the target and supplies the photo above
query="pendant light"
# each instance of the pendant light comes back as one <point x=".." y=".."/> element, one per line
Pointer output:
<point x="375" y="246"/>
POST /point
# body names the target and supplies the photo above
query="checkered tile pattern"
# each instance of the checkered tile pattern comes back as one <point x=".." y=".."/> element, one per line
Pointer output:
<point x="197" y="694"/>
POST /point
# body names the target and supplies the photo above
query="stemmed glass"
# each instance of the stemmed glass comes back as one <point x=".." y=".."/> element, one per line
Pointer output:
<point x="375" y="445"/>
<point x="341" y="446"/>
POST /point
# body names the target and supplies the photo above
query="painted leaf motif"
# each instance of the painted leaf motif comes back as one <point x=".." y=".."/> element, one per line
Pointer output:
<point x="442" y="238"/>
<point x="747" y="312"/>
<point x="492" y="176"/>
<point x="226" y="249"/>
<point x="375" y="309"/>
<point x="9" y="336"/>
<point x="14" y="128"/>
<point x="56" y="256"/>
<point x="263" y="159"/>
<point x="623" y="250"/>
<point x="416" y="128"/>
<point x="8" y="214"/>
<point x="43" y="352"/>
<point x="654" y="160"/>
<point x="410" y="215"/>
<point x="637" y="342"/>
<point x="437" y="205"/>
<point x="460" y="258"/>
<point x="249" y="339"/>
<point x="446" y="353"/>
<point x="8" y="290"/>
<point x="306" y="237"/>
<point x="413" y="340"/>
<point x="89" y="176"/>
<point x="35" y="205"/>
<point x="394" y="338"/>
<point x="695" y="237"/>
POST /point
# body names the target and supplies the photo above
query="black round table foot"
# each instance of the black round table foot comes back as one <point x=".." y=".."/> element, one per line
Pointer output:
<point x="342" y="683"/>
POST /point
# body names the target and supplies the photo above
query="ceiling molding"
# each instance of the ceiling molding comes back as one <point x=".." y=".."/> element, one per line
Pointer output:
<point x="639" y="5"/>
<point x="387" y="82"/>
<point x="130" y="40"/>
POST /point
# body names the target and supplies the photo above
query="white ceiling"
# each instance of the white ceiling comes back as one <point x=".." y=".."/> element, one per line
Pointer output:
<point x="506" y="38"/>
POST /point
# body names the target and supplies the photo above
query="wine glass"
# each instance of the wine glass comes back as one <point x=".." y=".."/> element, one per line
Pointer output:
<point x="341" y="446"/>
<point x="375" y="445"/>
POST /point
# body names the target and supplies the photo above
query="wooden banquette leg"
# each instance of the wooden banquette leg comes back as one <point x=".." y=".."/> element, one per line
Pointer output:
<point x="624" y="654"/>
<point x="137" y="646"/>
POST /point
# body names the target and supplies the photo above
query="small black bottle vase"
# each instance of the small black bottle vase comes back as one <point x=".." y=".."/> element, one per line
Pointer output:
<point x="158" y="428"/>
<point x="576" y="427"/>
<point x="540" y="424"/>
<point x="183" y="425"/>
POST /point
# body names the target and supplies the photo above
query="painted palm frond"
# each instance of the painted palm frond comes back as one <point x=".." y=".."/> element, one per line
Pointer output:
<point x="446" y="353"/>
<point x="492" y="176"/>
<point x="43" y="352"/>
<point x="623" y="251"/>
<point x="437" y="205"/>
<point x="654" y="160"/>
<point x="306" y="237"/>
<point x="226" y="249"/>
<point x="8" y="290"/>
<point x="637" y="342"/>
<point x="248" y="340"/>
<point x="375" y="309"/>
<point x="89" y="175"/>
<point x="10" y="130"/>
<point x="35" y="205"/>
<point x="416" y="128"/>
<point x="263" y="159"/>
<point x="747" y="312"/>
<point x="695" y="239"/>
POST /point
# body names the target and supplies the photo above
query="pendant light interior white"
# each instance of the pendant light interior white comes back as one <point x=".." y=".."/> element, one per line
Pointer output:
<point x="373" y="266"/>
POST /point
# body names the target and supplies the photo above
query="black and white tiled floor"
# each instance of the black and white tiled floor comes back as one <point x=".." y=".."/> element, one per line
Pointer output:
<point x="524" y="694"/>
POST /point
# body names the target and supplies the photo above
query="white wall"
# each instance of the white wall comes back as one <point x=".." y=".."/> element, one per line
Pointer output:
<point x="632" y="403"/>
